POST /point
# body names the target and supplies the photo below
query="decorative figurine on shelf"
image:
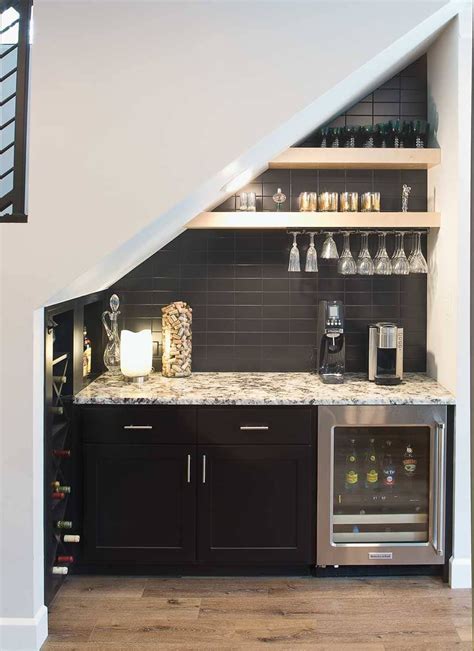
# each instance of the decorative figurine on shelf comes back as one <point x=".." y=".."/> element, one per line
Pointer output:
<point x="279" y="198"/>
<point x="112" y="349"/>
<point x="405" y="194"/>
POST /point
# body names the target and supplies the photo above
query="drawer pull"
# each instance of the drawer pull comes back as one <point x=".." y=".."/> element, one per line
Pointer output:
<point x="203" y="468"/>
<point x="189" y="469"/>
<point x="254" y="427"/>
<point x="138" y="427"/>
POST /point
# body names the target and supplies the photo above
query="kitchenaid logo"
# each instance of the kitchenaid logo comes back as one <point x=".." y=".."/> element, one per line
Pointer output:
<point x="380" y="556"/>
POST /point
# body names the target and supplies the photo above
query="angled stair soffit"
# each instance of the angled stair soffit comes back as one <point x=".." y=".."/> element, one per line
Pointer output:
<point x="253" y="162"/>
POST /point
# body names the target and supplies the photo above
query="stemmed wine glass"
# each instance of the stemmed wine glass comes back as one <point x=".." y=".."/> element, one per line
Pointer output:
<point x="294" y="262"/>
<point x="329" y="250"/>
<point x="365" y="264"/>
<point x="382" y="263"/>
<point x="400" y="265"/>
<point x="311" y="255"/>
<point x="346" y="265"/>
<point x="416" y="260"/>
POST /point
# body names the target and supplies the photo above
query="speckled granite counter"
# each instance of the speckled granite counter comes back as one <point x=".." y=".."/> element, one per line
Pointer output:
<point x="263" y="389"/>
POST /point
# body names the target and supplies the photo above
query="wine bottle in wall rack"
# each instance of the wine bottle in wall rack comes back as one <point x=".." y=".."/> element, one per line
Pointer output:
<point x="57" y="496"/>
<point x="62" y="454"/>
<point x="60" y="570"/>
<point x="57" y="411"/>
<point x="63" y="524"/>
<point x="57" y="488"/>
<point x="71" y="538"/>
<point x="65" y="559"/>
<point x="60" y="379"/>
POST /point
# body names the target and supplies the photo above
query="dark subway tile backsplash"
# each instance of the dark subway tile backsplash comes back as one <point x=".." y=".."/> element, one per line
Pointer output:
<point x="259" y="317"/>
<point x="249" y="313"/>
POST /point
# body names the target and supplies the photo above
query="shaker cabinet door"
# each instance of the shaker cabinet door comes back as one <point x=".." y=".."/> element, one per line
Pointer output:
<point x="256" y="504"/>
<point x="140" y="503"/>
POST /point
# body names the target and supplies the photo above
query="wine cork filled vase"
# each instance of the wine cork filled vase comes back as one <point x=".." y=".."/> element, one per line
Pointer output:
<point x="176" y="339"/>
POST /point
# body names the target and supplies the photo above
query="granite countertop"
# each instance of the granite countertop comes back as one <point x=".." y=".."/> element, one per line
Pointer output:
<point x="262" y="389"/>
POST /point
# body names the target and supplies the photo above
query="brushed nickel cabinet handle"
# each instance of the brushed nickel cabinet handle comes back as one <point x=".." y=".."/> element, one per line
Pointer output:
<point x="203" y="468"/>
<point x="254" y="427"/>
<point x="189" y="469"/>
<point x="138" y="427"/>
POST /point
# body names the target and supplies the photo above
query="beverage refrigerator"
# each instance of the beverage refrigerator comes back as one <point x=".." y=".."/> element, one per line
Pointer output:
<point x="381" y="485"/>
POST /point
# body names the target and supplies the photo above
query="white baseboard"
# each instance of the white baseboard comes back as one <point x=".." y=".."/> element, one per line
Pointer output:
<point x="24" y="633"/>
<point x="460" y="572"/>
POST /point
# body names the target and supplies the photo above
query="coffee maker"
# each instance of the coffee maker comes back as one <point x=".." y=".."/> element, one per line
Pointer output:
<point x="385" y="353"/>
<point x="331" y="361"/>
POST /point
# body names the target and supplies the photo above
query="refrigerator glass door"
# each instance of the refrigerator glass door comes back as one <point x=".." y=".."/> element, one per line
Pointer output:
<point x="381" y="485"/>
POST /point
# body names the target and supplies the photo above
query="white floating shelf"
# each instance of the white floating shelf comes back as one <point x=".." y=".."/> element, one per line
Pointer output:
<point x="243" y="219"/>
<point x="356" y="158"/>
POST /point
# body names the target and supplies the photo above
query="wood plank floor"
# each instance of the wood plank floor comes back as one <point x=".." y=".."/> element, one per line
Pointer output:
<point x="140" y="614"/>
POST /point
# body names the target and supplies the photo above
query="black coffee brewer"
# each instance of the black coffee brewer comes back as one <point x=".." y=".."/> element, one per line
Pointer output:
<point x="331" y="341"/>
<point x="385" y="353"/>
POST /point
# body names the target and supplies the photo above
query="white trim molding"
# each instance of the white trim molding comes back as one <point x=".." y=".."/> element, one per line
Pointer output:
<point x="460" y="572"/>
<point x="24" y="633"/>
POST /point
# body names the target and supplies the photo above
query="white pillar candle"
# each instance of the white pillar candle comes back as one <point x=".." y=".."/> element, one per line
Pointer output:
<point x="136" y="353"/>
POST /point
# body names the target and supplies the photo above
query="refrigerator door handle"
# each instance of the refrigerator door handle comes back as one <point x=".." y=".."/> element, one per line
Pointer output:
<point x="440" y="485"/>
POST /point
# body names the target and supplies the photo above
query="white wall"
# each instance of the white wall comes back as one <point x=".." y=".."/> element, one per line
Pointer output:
<point x="449" y="90"/>
<point x="134" y="106"/>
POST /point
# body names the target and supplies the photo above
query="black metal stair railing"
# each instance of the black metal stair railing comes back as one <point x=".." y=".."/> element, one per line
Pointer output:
<point x="15" y="22"/>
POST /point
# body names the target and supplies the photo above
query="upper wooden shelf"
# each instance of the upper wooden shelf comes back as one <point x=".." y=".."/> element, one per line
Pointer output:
<point x="356" y="158"/>
<point x="237" y="219"/>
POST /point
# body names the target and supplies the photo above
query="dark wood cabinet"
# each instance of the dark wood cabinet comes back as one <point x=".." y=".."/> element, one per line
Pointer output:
<point x="140" y="503"/>
<point x="256" y="504"/>
<point x="198" y="486"/>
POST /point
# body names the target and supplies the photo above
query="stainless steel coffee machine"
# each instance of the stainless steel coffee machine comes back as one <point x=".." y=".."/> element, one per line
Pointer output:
<point x="385" y="353"/>
<point x="332" y="353"/>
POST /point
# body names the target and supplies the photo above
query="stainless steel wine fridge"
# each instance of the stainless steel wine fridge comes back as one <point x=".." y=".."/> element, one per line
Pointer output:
<point x="381" y="485"/>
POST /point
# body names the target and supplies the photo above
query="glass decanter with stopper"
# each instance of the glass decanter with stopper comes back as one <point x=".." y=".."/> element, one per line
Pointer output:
<point x="112" y="349"/>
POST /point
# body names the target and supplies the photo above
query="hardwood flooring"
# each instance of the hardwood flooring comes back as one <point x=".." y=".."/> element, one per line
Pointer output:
<point x="363" y="614"/>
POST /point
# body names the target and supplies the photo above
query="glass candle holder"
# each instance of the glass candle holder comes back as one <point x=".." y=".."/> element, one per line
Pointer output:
<point x="176" y="339"/>
<point x="324" y="201"/>
<point x="243" y="201"/>
<point x="375" y="199"/>
<point x="303" y="201"/>
<point x="333" y="201"/>
<point x="251" y="202"/>
<point x="366" y="202"/>
<point x="348" y="201"/>
<point x="313" y="201"/>
<point x="248" y="201"/>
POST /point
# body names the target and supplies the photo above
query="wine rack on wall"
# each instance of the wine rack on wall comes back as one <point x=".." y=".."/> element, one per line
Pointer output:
<point x="64" y="377"/>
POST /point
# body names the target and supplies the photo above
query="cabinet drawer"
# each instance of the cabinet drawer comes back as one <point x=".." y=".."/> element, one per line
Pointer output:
<point x="255" y="426"/>
<point x="139" y="424"/>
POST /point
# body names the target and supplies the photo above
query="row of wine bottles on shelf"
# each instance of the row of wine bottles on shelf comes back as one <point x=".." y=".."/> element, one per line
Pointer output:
<point x="395" y="134"/>
<point x="371" y="471"/>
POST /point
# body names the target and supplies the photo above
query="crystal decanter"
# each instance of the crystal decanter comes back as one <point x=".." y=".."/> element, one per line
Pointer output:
<point x="112" y="349"/>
